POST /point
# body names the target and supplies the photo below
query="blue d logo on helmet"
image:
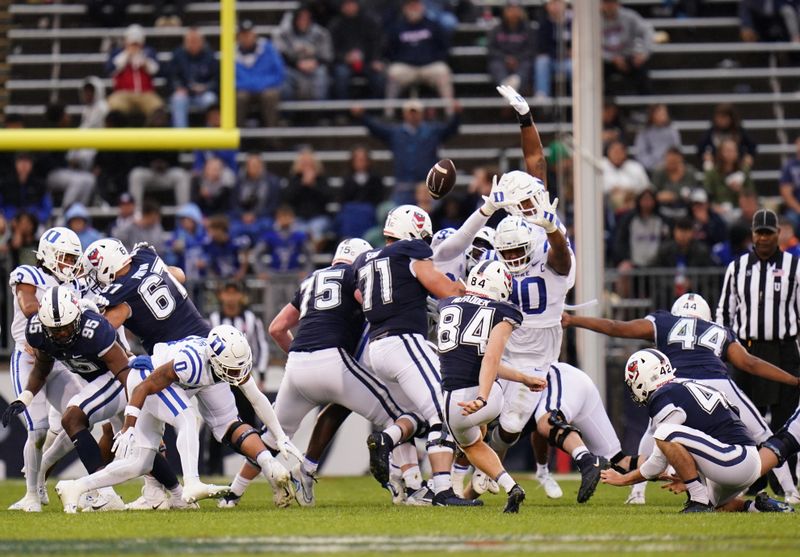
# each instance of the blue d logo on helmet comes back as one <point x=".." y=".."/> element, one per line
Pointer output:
<point x="217" y="346"/>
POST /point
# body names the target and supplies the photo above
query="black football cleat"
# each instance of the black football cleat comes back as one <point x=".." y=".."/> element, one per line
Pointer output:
<point x="515" y="498"/>
<point x="766" y="504"/>
<point x="590" y="466"/>
<point x="697" y="507"/>
<point x="448" y="498"/>
<point x="380" y="445"/>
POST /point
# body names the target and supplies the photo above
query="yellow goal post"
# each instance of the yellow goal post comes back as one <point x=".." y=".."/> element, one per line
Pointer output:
<point x="134" y="139"/>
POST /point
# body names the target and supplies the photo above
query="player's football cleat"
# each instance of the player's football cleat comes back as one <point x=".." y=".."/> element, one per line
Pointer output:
<point x="696" y="507"/>
<point x="281" y="483"/>
<point x="303" y="486"/>
<point x="448" y="498"/>
<point x="29" y="504"/>
<point x="396" y="486"/>
<point x="481" y="483"/>
<point x="635" y="498"/>
<point x="229" y="501"/>
<point x="197" y="490"/>
<point x="178" y="504"/>
<point x="590" y="467"/>
<point x="792" y="498"/>
<point x="380" y="446"/>
<point x="766" y="504"/>
<point x="153" y="498"/>
<point x="87" y="499"/>
<point x="515" y="497"/>
<point x="70" y="494"/>
<point x="106" y="502"/>
<point x="44" y="498"/>
<point x="551" y="487"/>
<point x="422" y="497"/>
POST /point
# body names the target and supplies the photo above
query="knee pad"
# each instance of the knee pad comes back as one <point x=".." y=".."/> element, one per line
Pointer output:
<point x="783" y="444"/>
<point x="439" y="440"/>
<point x="236" y="444"/>
<point x="497" y="442"/>
<point x="559" y="429"/>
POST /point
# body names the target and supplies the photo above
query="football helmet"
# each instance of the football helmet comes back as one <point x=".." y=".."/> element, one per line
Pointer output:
<point x="60" y="252"/>
<point x="490" y="279"/>
<point x="483" y="242"/>
<point x="522" y="193"/>
<point x="691" y="305"/>
<point x="517" y="242"/>
<point x="348" y="250"/>
<point x="106" y="257"/>
<point x="229" y="354"/>
<point x="645" y="372"/>
<point x="408" y="222"/>
<point x="60" y="315"/>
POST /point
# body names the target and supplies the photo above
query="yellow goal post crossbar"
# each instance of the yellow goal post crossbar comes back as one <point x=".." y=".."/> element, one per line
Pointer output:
<point x="134" y="139"/>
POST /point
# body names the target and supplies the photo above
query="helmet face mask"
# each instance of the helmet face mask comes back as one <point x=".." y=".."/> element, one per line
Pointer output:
<point x="60" y="315"/>
<point x="645" y="372"/>
<point x="483" y="242"/>
<point x="229" y="354"/>
<point x="516" y="243"/>
<point x="60" y="253"/>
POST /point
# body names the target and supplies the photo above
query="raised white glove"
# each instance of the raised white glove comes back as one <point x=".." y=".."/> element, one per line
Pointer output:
<point x="86" y="303"/>
<point x="287" y="448"/>
<point x="143" y="245"/>
<point x="546" y="216"/>
<point x="497" y="199"/>
<point x="124" y="442"/>
<point x="514" y="99"/>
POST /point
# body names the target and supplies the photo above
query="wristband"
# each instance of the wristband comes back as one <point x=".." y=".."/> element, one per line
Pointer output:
<point x="132" y="411"/>
<point x="483" y="400"/>
<point x="25" y="397"/>
<point x="525" y="120"/>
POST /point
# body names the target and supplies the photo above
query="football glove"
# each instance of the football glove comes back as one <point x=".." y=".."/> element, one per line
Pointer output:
<point x="143" y="245"/>
<point x="287" y="448"/>
<point x="546" y="216"/>
<point x="14" y="409"/>
<point x="86" y="303"/>
<point x="516" y="100"/>
<point x="142" y="362"/>
<point x="497" y="199"/>
<point x="123" y="443"/>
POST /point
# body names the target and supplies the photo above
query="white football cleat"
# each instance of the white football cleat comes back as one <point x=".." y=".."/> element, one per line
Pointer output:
<point x="303" y="486"/>
<point x="87" y="499"/>
<point x="281" y="483"/>
<point x="550" y="485"/>
<point x="481" y="483"/>
<point x="229" y="501"/>
<point x="70" y="494"/>
<point x="197" y="490"/>
<point x="106" y="502"/>
<point x="153" y="498"/>
<point x="29" y="504"/>
<point x="44" y="498"/>
<point x="792" y="498"/>
<point x="397" y="488"/>
<point x="635" y="499"/>
<point x="459" y="477"/>
<point x="423" y="497"/>
<point x="179" y="504"/>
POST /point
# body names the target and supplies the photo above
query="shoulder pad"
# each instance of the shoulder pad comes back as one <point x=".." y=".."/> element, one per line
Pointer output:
<point x="27" y="274"/>
<point x="509" y="313"/>
<point x="415" y="249"/>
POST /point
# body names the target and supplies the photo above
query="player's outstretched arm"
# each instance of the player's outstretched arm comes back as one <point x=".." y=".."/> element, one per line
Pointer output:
<point x="266" y="414"/>
<point x="280" y="327"/>
<point x="41" y="369"/>
<point x="532" y="149"/>
<point x="638" y="328"/>
<point x="743" y="360"/>
<point x="559" y="256"/>
<point x="510" y="374"/>
<point x="435" y="281"/>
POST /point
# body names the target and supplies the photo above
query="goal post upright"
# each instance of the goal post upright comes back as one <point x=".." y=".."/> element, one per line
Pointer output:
<point x="135" y="139"/>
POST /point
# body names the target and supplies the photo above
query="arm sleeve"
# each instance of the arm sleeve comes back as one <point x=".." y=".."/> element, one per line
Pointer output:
<point x="726" y="310"/>
<point x="656" y="463"/>
<point x="263" y="408"/>
<point x="458" y="242"/>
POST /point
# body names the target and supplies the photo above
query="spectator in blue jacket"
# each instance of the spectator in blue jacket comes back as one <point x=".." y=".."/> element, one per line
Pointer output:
<point x="194" y="77"/>
<point x="226" y="258"/>
<point x="417" y="52"/>
<point x="22" y="190"/>
<point x="414" y="144"/>
<point x="285" y="243"/>
<point x="78" y="220"/>
<point x="260" y="74"/>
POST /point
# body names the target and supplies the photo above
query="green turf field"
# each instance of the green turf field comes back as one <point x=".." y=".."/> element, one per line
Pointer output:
<point x="354" y="517"/>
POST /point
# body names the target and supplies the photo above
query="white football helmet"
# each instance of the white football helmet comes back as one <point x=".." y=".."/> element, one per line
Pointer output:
<point x="408" y="222"/>
<point x="483" y="242"/>
<point x="229" y="354"/>
<point x="348" y="250"/>
<point x="490" y="279"/>
<point x="60" y="314"/>
<point x="517" y="242"/>
<point x="441" y="236"/>
<point x="60" y="253"/>
<point x="691" y="305"/>
<point x="106" y="257"/>
<point x="645" y="372"/>
<point x="522" y="192"/>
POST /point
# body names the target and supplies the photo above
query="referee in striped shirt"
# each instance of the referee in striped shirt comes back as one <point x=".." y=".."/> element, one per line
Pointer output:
<point x="760" y="301"/>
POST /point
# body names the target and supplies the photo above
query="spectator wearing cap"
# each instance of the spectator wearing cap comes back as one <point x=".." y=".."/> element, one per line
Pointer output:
<point x="414" y="144"/>
<point x="759" y="304"/>
<point x="357" y="47"/>
<point x="78" y="220"/>
<point x="709" y="227"/>
<point x="417" y="49"/>
<point x="126" y="214"/>
<point x="511" y="48"/>
<point x="308" y="50"/>
<point x="133" y="68"/>
<point x="194" y="77"/>
<point x="790" y="186"/>
<point x="627" y="43"/>
<point x="145" y="228"/>
<point x="553" y="53"/>
<point x="22" y="190"/>
<point x="260" y="74"/>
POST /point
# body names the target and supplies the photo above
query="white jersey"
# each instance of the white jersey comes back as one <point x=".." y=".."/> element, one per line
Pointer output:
<point x="540" y="293"/>
<point x="455" y="269"/>
<point x="189" y="361"/>
<point x="35" y="276"/>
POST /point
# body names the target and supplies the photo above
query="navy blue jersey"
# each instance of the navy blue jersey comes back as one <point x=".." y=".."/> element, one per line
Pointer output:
<point x="330" y="316"/>
<point x="707" y="410"/>
<point x="394" y="300"/>
<point x="465" y="323"/>
<point x="696" y="348"/>
<point x="85" y="355"/>
<point x="160" y="308"/>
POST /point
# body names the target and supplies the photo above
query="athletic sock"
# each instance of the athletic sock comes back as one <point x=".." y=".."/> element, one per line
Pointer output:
<point x="413" y="478"/>
<point x="459" y="469"/>
<point x="163" y="473"/>
<point x="239" y="485"/>
<point x="60" y="446"/>
<point x="309" y="466"/>
<point x="442" y="482"/>
<point x="395" y="433"/>
<point x="32" y="457"/>
<point x="505" y="481"/>
<point x="579" y="452"/>
<point x="542" y="469"/>
<point x="88" y="450"/>
<point x="697" y="490"/>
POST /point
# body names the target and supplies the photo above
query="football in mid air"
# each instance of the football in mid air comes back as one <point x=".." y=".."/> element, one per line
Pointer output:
<point x="441" y="178"/>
